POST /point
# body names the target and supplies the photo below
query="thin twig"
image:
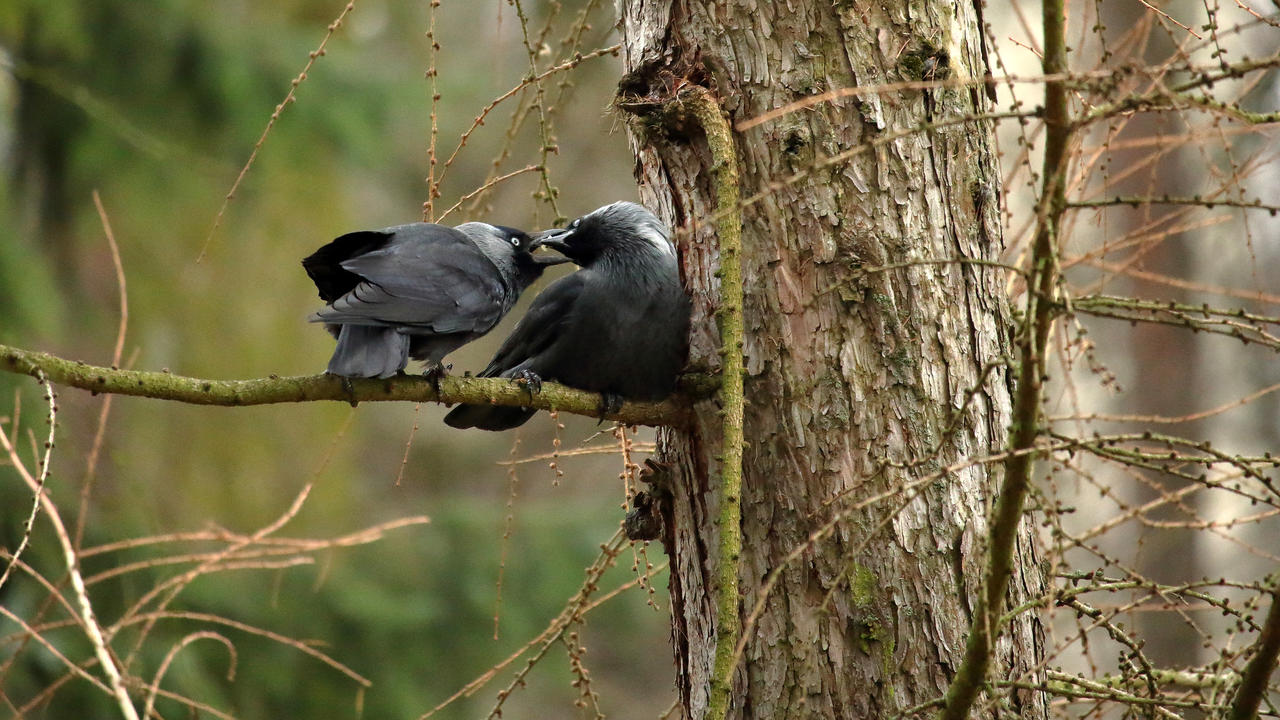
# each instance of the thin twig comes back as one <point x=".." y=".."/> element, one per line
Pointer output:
<point x="271" y="123"/>
<point x="1137" y="201"/>
<point x="154" y="689"/>
<point x="42" y="476"/>
<point x="298" y="645"/>
<point x="87" y="617"/>
<point x="487" y="186"/>
<point x="484" y="113"/>
<point x="100" y="433"/>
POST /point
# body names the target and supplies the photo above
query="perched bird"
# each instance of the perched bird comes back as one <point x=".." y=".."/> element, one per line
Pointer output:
<point x="419" y="290"/>
<point x="617" y="326"/>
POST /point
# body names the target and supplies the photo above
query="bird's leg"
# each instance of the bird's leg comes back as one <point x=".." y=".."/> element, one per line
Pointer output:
<point x="610" y="404"/>
<point x="531" y="381"/>
<point x="350" y="390"/>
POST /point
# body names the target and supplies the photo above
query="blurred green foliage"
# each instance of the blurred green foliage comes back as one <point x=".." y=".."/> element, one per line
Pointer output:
<point x="157" y="105"/>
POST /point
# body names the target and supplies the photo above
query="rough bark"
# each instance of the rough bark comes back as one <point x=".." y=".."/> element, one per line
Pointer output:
<point x="845" y="369"/>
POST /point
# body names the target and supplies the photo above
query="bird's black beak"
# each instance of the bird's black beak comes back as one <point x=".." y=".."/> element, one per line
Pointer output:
<point x="540" y="240"/>
<point x="554" y="239"/>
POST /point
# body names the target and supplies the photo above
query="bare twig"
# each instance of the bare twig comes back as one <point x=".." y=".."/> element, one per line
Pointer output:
<point x="484" y="113"/>
<point x="490" y="184"/>
<point x="1207" y="203"/>
<point x="154" y="688"/>
<point x="91" y="463"/>
<point x="298" y="645"/>
<point x="577" y="607"/>
<point x="271" y="123"/>
<point x="38" y="483"/>
<point x="88" y="620"/>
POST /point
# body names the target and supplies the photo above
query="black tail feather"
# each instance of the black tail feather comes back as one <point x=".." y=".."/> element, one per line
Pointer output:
<point x="488" y="417"/>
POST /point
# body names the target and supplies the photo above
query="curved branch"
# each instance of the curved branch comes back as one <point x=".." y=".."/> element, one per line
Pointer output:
<point x="1032" y="348"/>
<point x="1253" y="687"/>
<point x="263" y="391"/>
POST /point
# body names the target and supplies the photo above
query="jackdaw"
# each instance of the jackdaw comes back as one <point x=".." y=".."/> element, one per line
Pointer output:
<point x="419" y="290"/>
<point x="618" y="326"/>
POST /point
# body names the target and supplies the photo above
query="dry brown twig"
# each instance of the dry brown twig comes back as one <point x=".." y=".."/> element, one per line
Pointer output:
<point x="88" y="620"/>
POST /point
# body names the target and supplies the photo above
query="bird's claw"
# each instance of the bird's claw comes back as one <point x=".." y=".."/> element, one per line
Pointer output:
<point x="350" y="390"/>
<point x="436" y="369"/>
<point x="610" y="404"/>
<point x="435" y="372"/>
<point x="531" y="381"/>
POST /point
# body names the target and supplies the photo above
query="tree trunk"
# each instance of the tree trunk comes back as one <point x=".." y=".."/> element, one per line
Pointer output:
<point x="846" y="369"/>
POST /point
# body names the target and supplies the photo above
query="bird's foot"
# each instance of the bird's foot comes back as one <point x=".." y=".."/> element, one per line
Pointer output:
<point x="531" y="381"/>
<point x="610" y="404"/>
<point x="434" y="372"/>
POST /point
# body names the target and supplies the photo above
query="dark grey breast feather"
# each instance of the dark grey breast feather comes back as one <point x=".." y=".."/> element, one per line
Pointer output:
<point x="424" y="276"/>
<point x="533" y="338"/>
<point x="538" y="330"/>
<point x="619" y="337"/>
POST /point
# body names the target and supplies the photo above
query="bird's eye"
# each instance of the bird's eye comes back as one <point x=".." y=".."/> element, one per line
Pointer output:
<point x="515" y="241"/>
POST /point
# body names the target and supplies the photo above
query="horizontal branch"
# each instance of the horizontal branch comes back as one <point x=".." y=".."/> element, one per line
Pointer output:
<point x="1207" y="203"/>
<point x="1171" y="98"/>
<point x="1244" y="326"/>
<point x="265" y="391"/>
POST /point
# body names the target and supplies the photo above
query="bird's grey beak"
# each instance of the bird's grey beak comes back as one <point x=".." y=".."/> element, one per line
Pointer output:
<point x="549" y="238"/>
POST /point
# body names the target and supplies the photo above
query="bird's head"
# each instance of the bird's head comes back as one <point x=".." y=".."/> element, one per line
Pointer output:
<point x="523" y="246"/>
<point x="620" y="230"/>
<point x="511" y="251"/>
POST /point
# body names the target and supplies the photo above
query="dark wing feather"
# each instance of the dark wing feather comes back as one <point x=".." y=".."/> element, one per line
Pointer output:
<point x="325" y="265"/>
<point x="427" y="277"/>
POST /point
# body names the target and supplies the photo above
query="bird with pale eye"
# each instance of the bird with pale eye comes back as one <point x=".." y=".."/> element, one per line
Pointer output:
<point x="618" y="326"/>
<point x="418" y="291"/>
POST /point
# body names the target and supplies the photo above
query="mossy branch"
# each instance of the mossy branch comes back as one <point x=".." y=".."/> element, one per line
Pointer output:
<point x="1032" y="349"/>
<point x="703" y="105"/>
<point x="264" y="391"/>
